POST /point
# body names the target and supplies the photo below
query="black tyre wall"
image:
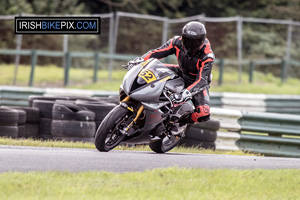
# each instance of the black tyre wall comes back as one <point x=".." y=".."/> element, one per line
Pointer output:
<point x="32" y="114"/>
<point x="8" y="117"/>
<point x="32" y="98"/>
<point x="201" y="134"/>
<point x="9" y="131"/>
<point x="62" y="128"/>
<point x="45" y="108"/>
<point x="45" y="128"/>
<point x="100" y="109"/>
<point x="71" y="112"/>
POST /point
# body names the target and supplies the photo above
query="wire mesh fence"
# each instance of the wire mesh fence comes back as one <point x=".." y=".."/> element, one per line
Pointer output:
<point x="233" y="38"/>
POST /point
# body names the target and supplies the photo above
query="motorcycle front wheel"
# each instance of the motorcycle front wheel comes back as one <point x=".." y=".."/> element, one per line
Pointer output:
<point x="165" y="144"/>
<point x="108" y="135"/>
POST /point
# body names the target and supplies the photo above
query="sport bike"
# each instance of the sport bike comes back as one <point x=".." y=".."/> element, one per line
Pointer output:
<point x="147" y="112"/>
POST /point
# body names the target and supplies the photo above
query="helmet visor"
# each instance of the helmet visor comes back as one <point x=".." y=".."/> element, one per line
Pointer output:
<point x="192" y="44"/>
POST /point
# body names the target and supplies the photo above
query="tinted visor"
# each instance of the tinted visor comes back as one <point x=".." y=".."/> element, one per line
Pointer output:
<point x="190" y="44"/>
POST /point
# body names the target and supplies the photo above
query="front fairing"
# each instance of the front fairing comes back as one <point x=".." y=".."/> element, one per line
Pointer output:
<point x="129" y="78"/>
<point x="146" y="81"/>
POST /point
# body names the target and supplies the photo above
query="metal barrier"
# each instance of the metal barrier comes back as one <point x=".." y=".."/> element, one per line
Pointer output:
<point x="18" y="96"/>
<point x="266" y="133"/>
<point x="289" y="104"/>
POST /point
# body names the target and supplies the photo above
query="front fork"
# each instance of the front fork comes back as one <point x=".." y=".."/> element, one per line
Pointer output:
<point x="139" y="112"/>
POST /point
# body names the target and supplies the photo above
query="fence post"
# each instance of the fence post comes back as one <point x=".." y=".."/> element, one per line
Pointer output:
<point x="116" y="29"/>
<point x="288" y="51"/>
<point x="112" y="41"/>
<point x="33" y="63"/>
<point x="67" y="67"/>
<point x="221" y="67"/>
<point x="65" y="48"/>
<point x="165" y="30"/>
<point x="251" y="71"/>
<point x="18" y="56"/>
<point x="240" y="45"/>
<point x="96" y="66"/>
<point x="283" y="64"/>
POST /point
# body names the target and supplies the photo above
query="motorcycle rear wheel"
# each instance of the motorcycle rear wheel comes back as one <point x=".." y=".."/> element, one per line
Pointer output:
<point x="108" y="135"/>
<point x="165" y="144"/>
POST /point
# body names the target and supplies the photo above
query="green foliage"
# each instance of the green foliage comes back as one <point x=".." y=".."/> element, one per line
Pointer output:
<point x="136" y="36"/>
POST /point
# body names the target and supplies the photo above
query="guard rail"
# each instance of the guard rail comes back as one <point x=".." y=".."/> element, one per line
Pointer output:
<point x="289" y="104"/>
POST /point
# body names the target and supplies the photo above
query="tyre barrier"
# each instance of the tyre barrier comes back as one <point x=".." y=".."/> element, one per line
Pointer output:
<point x="71" y="118"/>
<point x="202" y="135"/>
<point x="100" y="108"/>
<point x="265" y="133"/>
<point x="72" y="122"/>
<point x="9" y="122"/>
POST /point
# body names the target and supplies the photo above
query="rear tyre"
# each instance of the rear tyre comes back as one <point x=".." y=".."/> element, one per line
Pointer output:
<point x="108" y="135"/>
<point x="165" y="144"/>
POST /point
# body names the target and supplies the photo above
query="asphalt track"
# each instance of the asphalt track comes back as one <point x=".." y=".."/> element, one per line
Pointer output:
<point x="24" y="159"/>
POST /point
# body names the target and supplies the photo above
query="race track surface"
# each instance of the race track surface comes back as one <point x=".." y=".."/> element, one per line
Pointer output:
<point x="24" y="159"/>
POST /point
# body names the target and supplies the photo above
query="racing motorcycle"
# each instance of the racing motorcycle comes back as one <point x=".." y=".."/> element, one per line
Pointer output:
<point x="147" y="112"/>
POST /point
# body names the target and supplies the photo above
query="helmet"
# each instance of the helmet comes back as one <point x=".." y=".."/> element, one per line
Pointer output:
<point x="193" y="37"/>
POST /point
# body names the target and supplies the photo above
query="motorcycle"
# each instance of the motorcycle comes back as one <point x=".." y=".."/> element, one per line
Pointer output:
<point x="147" y="112"/>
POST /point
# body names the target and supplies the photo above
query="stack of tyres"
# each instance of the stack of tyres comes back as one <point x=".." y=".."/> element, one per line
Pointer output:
<point x="28" y="122"/>
<point x="9" y="119"/>
<point x="202" y="135"/>
<point x="71" y="118"/>
<point x="45" y="112"/>
<point x="32" y="122"/>
<point x="100" y="108"/>
<point x="72" y="122"/>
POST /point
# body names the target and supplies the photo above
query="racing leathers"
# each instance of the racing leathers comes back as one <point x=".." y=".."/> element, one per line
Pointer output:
<point x="195" y="71"/>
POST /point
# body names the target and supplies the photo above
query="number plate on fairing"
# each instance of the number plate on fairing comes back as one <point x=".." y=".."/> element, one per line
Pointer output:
<point x="147" y="75"/>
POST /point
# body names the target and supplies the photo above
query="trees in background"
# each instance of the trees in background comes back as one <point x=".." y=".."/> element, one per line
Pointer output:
<point x="272" y="39"/>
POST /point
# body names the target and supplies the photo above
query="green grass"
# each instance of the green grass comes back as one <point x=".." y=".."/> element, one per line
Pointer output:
<point x="65" y="144"/>
<point x="170" y="183"/>
<point x="52" y="76"/>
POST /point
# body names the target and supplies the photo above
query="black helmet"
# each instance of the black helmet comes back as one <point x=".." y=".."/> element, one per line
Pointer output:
<point x="193" y="37"/>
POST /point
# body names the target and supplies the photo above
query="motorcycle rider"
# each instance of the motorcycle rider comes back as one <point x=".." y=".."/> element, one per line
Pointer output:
<point x="195" y="60"/>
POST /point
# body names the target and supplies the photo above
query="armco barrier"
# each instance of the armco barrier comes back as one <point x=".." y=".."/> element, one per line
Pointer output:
<point x="18" y="96"/>
<point x="266" y="133"/>
<point x="289" y="104"/>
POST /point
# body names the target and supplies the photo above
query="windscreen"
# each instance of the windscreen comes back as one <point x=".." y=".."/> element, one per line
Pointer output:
<point x="153" y="70"/>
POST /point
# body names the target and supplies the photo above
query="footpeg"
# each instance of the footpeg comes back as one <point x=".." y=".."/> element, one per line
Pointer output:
<point x="176" y="129"/>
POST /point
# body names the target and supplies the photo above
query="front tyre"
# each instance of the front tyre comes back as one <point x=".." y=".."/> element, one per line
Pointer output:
<point x="108" y="135"/>
<point x="165" y="144"/>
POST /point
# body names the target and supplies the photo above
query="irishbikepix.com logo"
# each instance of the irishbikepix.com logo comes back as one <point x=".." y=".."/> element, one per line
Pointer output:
<point x="57" y="25"/>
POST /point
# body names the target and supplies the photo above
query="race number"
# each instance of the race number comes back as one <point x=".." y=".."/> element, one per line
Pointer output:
<point x="147" y="75"/>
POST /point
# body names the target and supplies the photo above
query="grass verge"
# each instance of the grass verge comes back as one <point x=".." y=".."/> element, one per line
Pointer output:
<point x="64" y="144"/>
<point x="170" y="183"/>
<point x="52" y="76"/>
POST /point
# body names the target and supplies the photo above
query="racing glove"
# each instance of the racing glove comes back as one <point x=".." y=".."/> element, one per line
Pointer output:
<point x="133" y="62"/>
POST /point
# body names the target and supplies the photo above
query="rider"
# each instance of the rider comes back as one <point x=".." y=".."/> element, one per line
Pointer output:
<point x="195" y="58"/>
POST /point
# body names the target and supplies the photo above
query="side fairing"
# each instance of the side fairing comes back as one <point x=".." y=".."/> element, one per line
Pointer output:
<point x="150" y="93"/>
